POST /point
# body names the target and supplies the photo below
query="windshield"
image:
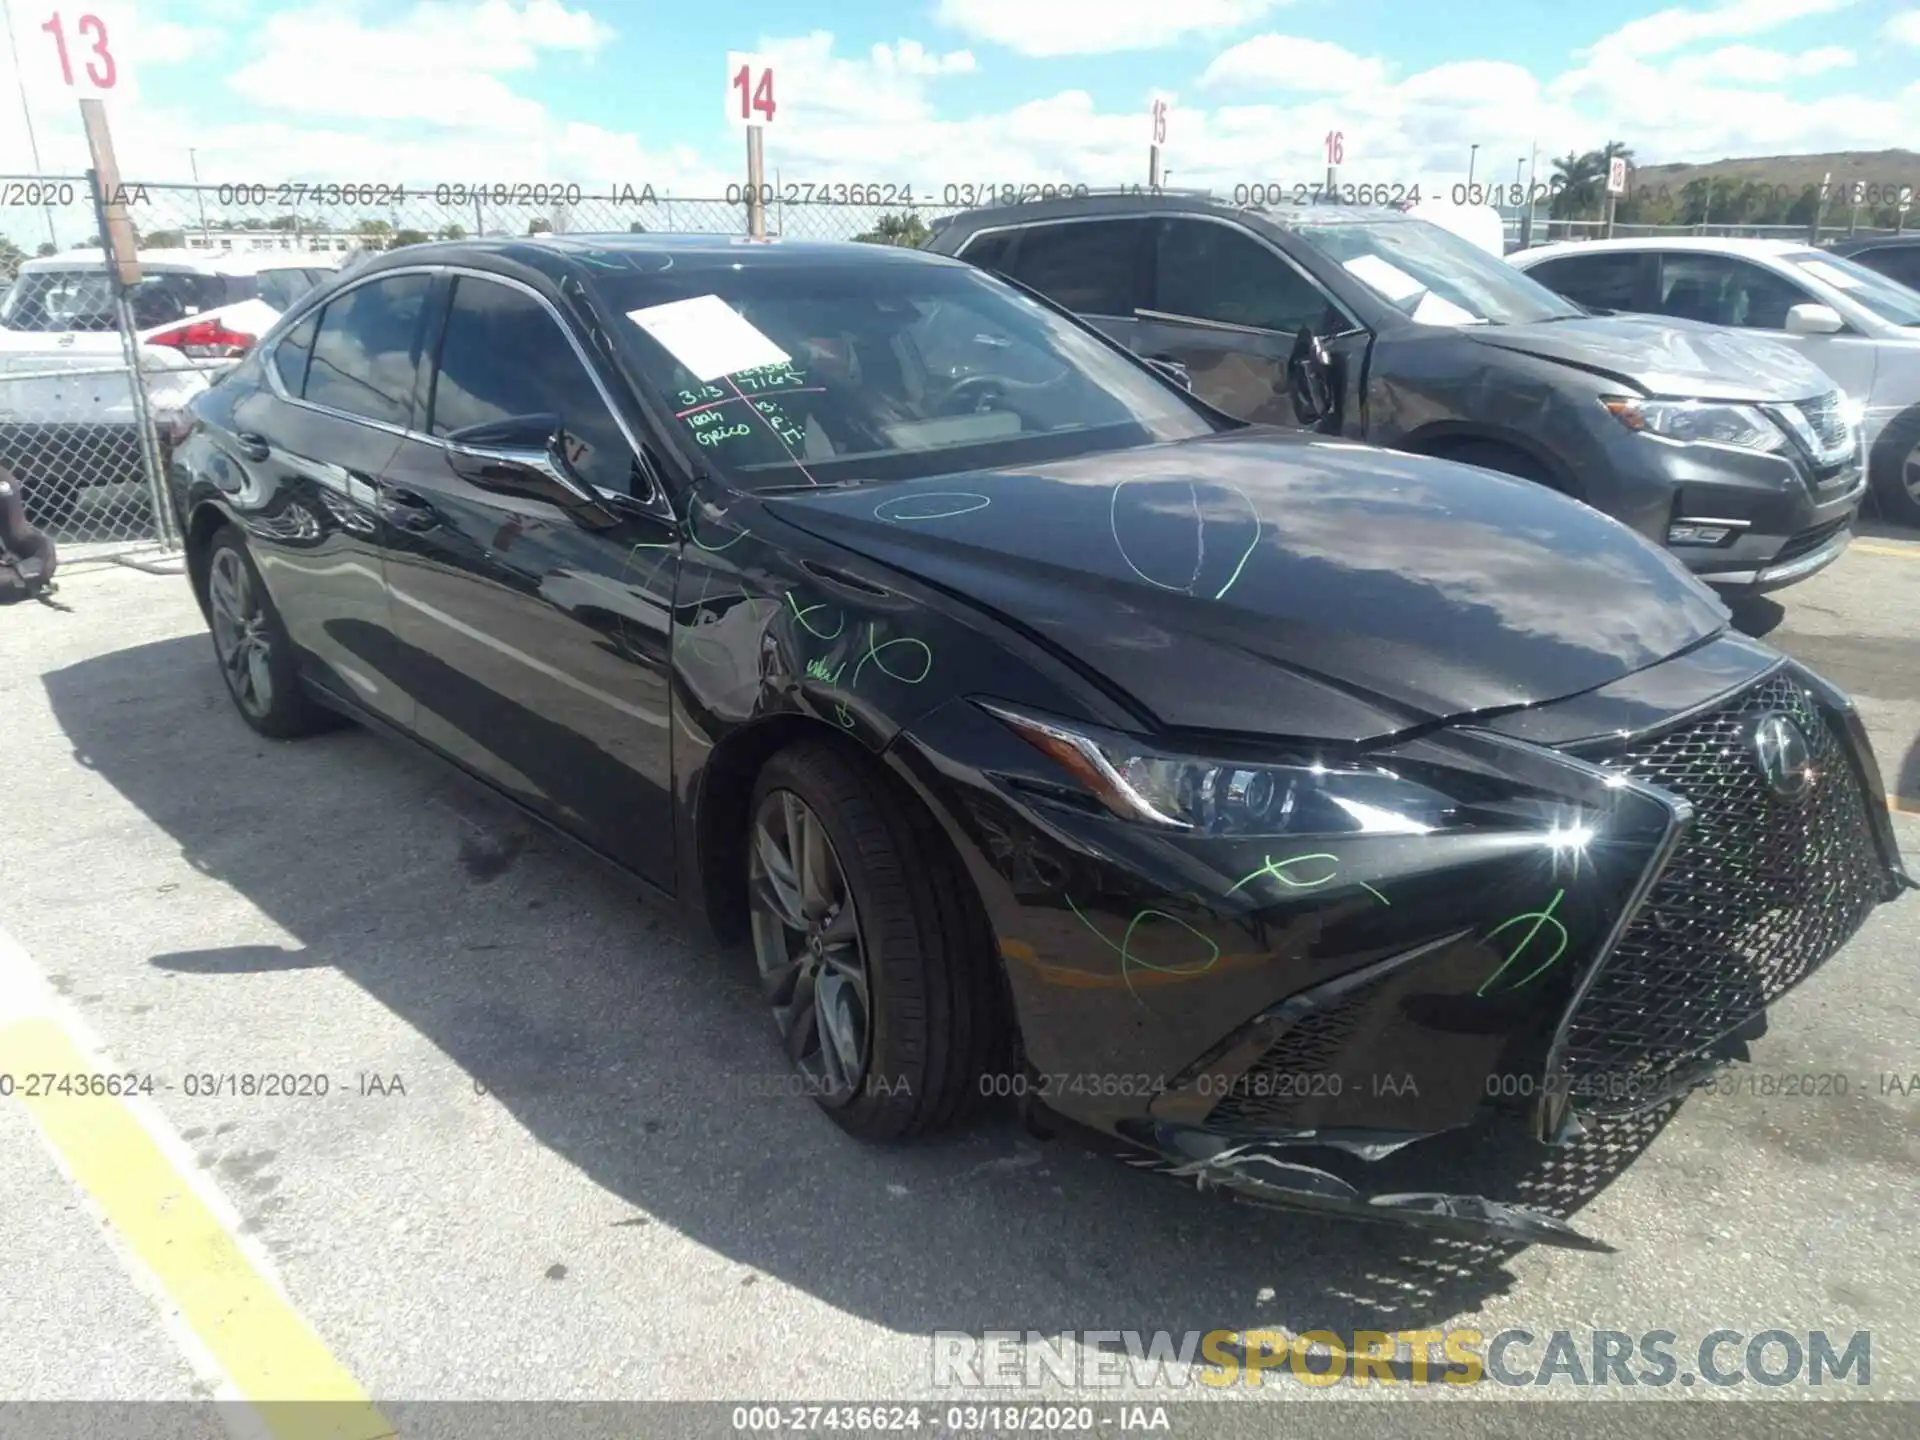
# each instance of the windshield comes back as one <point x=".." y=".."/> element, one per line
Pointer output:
<point x="82" y="299"/>
<point x="782" y="375"/>
<point x="1883" y="295"/>
<point x="1434" y="277"/>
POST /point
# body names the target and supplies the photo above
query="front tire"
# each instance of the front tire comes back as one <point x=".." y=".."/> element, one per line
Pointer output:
<point x="871" y="949"/>
<point x="1491" y="455"/>
<point x="251" y="644"/>
<point x="1895" y="470"/>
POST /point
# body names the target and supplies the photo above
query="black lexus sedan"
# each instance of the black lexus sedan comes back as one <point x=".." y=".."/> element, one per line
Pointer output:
<point x="1263" y="801"/>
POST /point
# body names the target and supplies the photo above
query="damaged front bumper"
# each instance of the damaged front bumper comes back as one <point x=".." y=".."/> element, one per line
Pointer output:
<point x="1270" y="1173"/>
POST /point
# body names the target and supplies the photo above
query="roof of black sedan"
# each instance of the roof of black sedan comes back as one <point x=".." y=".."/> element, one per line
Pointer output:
<point x="729" y="250"/>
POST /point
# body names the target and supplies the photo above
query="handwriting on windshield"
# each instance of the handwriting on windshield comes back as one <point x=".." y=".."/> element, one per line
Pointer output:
<point x="715" y="433"/>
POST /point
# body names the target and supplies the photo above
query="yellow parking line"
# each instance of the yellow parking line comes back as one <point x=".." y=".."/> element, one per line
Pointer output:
<point x="1911" y="552"/>
<point x="250" y="1329"/>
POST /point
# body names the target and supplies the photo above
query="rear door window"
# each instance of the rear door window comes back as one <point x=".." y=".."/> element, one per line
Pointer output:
<point x="1609" y="281"/>
<point x="291" y="352"/>
<point x="1090" y="266"/>
<point x="366" y="353"/>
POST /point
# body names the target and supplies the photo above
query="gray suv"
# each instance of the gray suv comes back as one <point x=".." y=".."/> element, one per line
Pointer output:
<point x="1733" y="451"/>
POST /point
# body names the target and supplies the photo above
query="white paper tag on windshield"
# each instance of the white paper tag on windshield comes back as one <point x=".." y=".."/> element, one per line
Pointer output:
<point x="1839" y="279"/>
<point x="708" y="336"/>
<point x="1386" y="278"/>
<point x="1438" y="310"/>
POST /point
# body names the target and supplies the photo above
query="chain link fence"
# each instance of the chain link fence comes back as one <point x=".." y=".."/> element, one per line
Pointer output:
<point x="76" y="426"/>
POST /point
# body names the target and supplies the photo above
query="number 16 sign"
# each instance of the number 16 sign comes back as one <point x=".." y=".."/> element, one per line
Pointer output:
<point x="750" y="89"/>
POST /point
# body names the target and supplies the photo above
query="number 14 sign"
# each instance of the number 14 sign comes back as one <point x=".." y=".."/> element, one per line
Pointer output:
<point x="750" y="89"/>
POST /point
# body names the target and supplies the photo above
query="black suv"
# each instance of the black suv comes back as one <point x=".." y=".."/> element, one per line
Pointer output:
<point x="1895" y="256"/>
<point x="1732" y="450"/>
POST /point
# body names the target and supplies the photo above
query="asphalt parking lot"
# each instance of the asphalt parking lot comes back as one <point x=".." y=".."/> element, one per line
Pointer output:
<point x="553" y="1160"/>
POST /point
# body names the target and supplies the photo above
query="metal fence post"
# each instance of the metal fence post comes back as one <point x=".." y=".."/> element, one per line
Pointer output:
<point x="130" y="347"/>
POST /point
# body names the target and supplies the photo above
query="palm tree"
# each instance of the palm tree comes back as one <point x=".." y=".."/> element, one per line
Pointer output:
<point x="905" y="229"/>
<point x="1576" y="180"/>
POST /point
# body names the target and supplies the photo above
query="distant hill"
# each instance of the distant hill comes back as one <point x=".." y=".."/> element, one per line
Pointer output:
<point x="1875" y="167"/>
<point x="1754" y="189"/>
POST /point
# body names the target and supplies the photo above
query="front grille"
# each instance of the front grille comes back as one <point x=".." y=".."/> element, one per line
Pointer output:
<point x="1826" y="417"/>
<point x="1755" y="898"/>
<point x="1303" y="1065"/>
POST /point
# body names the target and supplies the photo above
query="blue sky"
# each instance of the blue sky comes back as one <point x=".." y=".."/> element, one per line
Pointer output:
<point x="981" y="90"/>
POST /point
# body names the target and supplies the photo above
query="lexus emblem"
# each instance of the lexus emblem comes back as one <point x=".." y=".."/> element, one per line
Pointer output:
<point x="1785" y="758"/>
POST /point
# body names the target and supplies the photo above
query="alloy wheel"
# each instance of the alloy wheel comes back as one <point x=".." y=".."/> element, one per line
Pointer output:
<point x="1910" y="474"/>
<point x="808" y="945"/>
<point x="240" y="635"/>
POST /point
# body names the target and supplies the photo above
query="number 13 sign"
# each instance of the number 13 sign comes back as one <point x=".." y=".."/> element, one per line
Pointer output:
<point x="83" y="49"/>
<point x="750" y="89"/>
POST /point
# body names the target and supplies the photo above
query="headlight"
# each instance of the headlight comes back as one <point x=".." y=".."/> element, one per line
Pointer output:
<point x="1698" y="422"/>
<point x="1231" y="797"/>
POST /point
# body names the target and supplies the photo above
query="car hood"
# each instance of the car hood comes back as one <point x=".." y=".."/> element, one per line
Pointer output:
<point x="1262" y="582"/>
<point x="1680" y="358"/>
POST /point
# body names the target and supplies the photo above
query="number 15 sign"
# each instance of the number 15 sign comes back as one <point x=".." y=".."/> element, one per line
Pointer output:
<point x="750" y="89"/>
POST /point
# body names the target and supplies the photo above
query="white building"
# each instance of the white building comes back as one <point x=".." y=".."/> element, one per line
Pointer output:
<point x="307" y="242"/>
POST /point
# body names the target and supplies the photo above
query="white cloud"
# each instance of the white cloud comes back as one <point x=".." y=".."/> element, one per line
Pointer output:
<point x="1904" y="27"/>
<point x="1094" y="27"/>
<point x="1747" y="64"/>
<point x="439" y="63"/>
<point x="169" y="43"/>
<point x="1674" y="29"/>
<point x="1287" y="62"/>
<point x="910" y="57"/>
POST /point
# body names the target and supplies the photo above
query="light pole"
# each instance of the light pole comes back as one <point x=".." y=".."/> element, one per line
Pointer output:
<point x="26" y="111"/>
<point x="199" y="195"/>
<point x="1473" y="152"/>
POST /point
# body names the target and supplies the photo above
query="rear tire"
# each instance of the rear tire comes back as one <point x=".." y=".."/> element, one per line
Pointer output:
<point x="848" y="879"/>
<point x="250" y="642"/>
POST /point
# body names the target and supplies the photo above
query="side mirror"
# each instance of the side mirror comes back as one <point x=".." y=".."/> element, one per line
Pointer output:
<point x="1813" y="319"/>
<point x="1173" y="370"/>
<point x="1308" y="383"/>
<point x="524" y="455"/>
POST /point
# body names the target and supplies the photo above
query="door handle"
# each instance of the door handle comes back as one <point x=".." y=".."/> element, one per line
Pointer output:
<point x="253" y="447"/>
<point x="407" y="509"/>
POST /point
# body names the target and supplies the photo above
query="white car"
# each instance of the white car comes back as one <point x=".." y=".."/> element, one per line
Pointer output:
<point x="66" y="409"/>
<point x="1858" y="325"/>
